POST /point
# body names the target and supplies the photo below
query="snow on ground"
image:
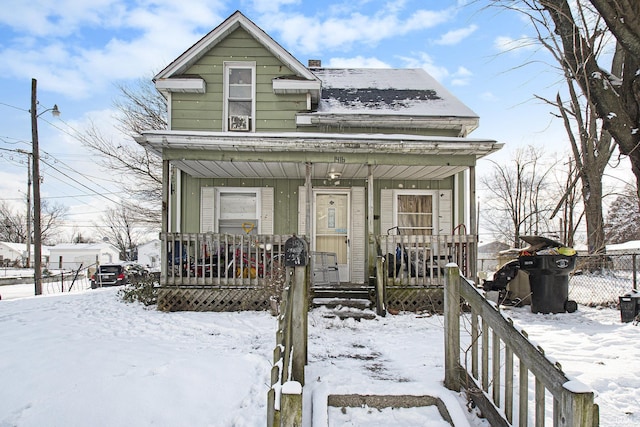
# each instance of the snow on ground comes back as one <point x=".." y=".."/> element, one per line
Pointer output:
<point x="88" y="359"/>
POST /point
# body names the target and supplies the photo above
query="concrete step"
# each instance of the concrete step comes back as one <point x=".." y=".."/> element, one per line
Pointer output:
<point x="350" y="313"/>
<point x="359" y="303"/>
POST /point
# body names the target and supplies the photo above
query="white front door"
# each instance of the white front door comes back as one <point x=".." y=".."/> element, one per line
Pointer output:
<point x="331" y="227"/>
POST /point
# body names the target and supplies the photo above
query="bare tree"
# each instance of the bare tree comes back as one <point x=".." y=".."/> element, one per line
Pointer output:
<point x="517" y="204"/>
<point x="623" y="222"/>
<point x="122" y="230"/>
<point x="568" y="210"/>
<point x="579" y="30"/>
<point x="13" y="225"/>
<point x="591" y="144"/>
<point x="140" y="107"/>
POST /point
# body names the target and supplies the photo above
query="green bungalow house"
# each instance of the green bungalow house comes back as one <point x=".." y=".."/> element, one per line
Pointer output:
<point x="364" y="164"/>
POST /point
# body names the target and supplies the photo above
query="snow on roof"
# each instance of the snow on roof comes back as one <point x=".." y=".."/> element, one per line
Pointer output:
<point x="386" y="91"/>
<point x="81" y="246"/>
<point x="21" y="247"/>
<point x="629" y="247"/>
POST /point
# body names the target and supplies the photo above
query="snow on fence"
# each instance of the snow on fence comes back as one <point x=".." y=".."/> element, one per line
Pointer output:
<point x="284" y="399"/>
<point x="499" y="361"/>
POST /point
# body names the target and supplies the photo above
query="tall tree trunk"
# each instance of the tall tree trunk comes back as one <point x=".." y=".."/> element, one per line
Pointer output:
<point x="592" y="198"/>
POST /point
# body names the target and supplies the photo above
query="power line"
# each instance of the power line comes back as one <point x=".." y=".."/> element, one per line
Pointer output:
<point x="78" y="182"/>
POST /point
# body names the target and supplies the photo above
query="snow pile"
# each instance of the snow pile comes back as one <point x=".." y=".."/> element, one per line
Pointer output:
<point x="88" y="359"/>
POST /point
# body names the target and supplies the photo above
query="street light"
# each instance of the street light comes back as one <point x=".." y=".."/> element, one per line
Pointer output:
<point x="37" y="231"/>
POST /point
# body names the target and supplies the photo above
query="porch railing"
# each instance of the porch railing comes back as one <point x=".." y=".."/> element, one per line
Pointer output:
<point x="507" y="376"/>
<point x="421" y="260"/>
<point x="206" y="259"/>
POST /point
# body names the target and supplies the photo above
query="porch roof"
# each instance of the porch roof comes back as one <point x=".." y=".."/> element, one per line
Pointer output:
<point x="283" y="155"/>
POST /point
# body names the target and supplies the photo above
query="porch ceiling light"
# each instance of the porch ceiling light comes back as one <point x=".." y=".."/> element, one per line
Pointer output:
<point x="334" y="175"/>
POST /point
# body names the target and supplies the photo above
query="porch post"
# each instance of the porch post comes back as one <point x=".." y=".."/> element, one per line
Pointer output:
<point x="165" y="218"/>
<point x="371" y="258"/>
<point x="309" y="188"/>
<point x="473" y="212"/>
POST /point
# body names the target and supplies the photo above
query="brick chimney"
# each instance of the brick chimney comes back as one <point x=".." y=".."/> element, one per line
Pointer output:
<point x="315" y="63"/>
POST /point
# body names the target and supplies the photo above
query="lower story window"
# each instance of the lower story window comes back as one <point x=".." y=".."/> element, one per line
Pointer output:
<point x="414" y="214"/>
<point x="238" y="212"/>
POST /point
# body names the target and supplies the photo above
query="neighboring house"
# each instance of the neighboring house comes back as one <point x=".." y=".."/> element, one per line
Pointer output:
<point x="76" y="255"/>
<point x="149" y="254"/>
<point x="259" y="143"/>
<point x="16" y="254"/>
<point x="489" y="256"/>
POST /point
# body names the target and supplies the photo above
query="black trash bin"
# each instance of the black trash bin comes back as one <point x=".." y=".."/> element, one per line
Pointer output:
<point x="629" y="306"/>
<point x="549" y="265"/>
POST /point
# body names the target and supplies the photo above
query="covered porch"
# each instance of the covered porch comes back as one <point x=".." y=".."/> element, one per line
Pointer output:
<point x="318" y="163"/>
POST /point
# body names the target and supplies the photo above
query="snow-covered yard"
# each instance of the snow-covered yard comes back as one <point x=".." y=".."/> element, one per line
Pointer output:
<point x="88" y="359"/>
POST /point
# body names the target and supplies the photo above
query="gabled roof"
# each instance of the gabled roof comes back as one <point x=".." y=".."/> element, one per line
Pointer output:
<point x="233" y="22"/>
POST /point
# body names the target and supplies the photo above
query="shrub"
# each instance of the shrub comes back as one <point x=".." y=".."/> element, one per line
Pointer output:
<point x="140" y="289"/>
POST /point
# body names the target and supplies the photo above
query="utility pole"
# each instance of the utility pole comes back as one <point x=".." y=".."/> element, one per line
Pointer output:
<point x="37" y="231"/>
<point x="35" y="153"/>
<point x="29" y="210"/>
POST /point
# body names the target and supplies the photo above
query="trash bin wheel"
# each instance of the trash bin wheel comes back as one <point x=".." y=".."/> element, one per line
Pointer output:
<point x="570" y="306"/>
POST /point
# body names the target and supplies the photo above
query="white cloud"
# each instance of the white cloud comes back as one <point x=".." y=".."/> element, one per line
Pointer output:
<point x="509" y="44"/>
<point x="313" y="35"/>
<point x="488" y="96"/>
<point x="456" y="36"/>
<point x="461" y="77"/>
<point x="423" y="60"/>
<point x="271" y="5"/>
<point x="111" y="40"/>
<point x="356" y="62"/>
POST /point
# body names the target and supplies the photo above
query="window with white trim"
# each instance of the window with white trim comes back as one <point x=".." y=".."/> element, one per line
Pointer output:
<point x="414" y="212"/>
<point x="239" y="96"/>
<point x="238" y="211"/>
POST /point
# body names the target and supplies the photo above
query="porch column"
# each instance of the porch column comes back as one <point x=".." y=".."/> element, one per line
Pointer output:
<point x="165" y="217"/>
<point x="371" y="258"/>
<point x="473" y="223"/>
<point x="309" y="190"/>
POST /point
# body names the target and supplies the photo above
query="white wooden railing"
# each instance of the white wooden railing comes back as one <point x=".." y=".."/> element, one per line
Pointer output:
<point x="492" y="361"/>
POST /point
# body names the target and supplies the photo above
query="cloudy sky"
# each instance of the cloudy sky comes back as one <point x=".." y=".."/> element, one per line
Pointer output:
<point x="80" y="51"/>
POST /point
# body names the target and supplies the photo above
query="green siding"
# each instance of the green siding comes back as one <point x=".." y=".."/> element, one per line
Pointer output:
<point x="285" y="200"/>
<point x="274" y="113"/>
<point x="286" y="197"/>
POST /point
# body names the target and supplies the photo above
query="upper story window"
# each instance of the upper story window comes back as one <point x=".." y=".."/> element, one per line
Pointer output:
<point x="239" y="96"/>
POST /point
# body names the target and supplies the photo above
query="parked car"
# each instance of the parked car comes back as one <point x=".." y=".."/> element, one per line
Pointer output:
<point x="109" y="275"/>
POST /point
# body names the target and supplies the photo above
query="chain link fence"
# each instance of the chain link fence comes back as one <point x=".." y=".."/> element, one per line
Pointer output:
<point x="597" y="280"/>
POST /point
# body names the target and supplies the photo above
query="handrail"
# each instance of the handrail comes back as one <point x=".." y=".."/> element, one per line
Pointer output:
<point x="284" y="399"/>
<point x="573" y="403"/>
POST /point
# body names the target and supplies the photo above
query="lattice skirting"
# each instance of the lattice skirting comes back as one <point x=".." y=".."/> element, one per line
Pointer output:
<point x="212" y="299"/>
<point x="415" y="299"/>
